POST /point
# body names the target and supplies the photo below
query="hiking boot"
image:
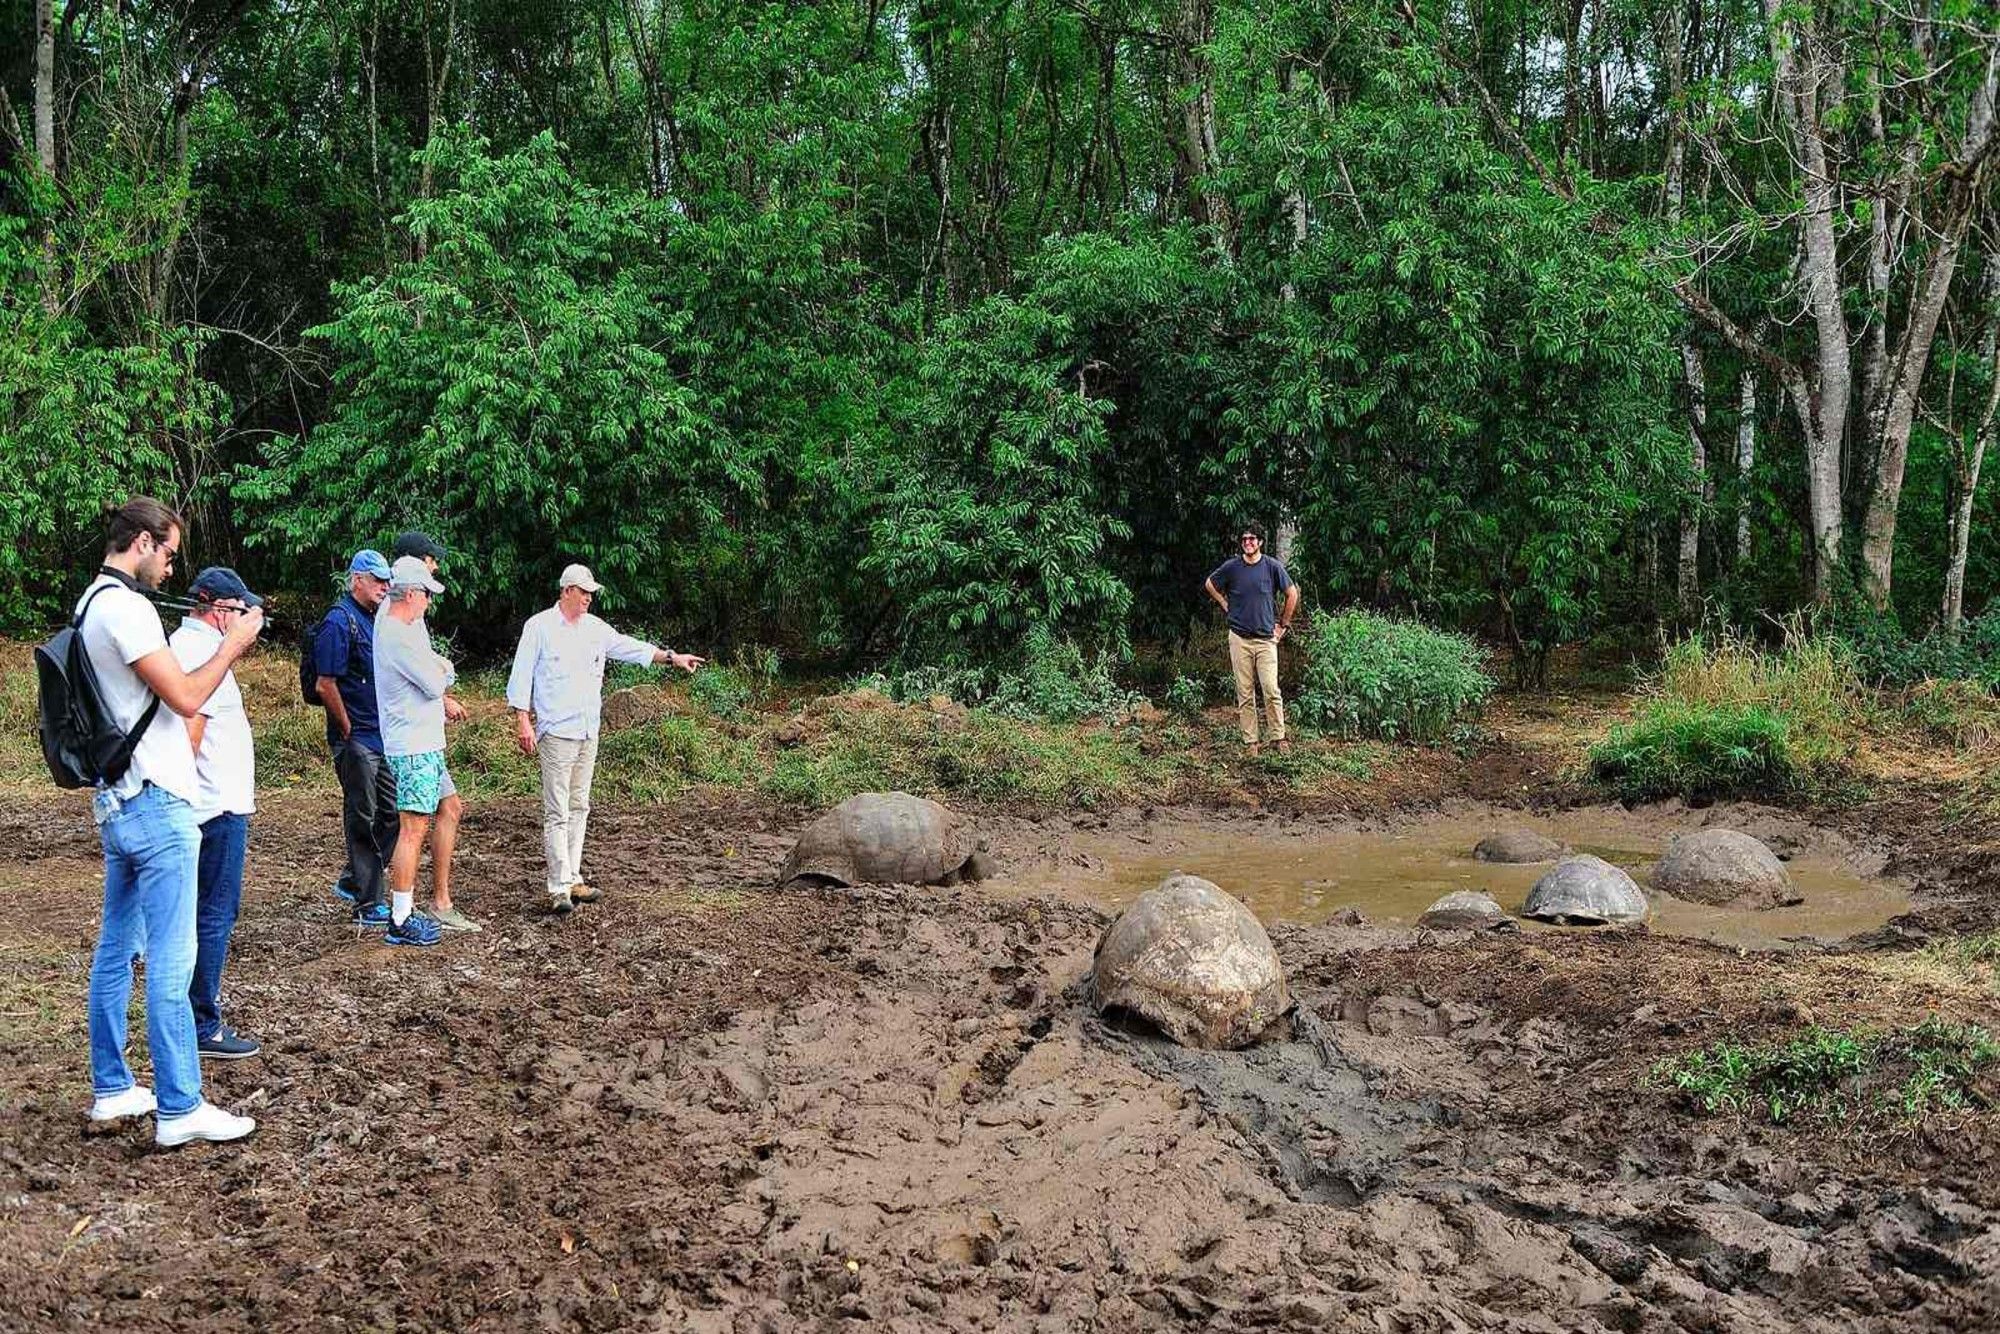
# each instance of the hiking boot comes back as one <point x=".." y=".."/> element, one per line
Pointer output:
<point x="1256" y="749"/>
<point x="134" y="1101"/>
<point x="560" y="905"/>
<point x="374" y="917"/>
<point x="343" y="891"/>
<point x="416" y="929"/>
<point x="226" y="1045"/>
<point x="206" y="1121"/>
<point x="451" y="919"/>
<point x="582" y="893"/>
<point x="1285" y="746"/>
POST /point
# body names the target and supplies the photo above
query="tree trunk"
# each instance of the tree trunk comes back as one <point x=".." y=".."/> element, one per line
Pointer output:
<point x="1968" y="463"/>
<point x="1688" y="582"/>
<point x="1913" y="350"/>
<point x="1746" y="458"/>
<point x="1802" y="73"/>
<point x="45" y="86"/>
<point x="1201" y="159"/>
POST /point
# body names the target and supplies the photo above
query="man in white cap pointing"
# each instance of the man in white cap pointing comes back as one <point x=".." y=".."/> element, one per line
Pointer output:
<point x="557" y="693"/>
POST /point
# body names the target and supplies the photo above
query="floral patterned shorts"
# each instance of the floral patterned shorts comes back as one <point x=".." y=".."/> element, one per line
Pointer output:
<point x="422" y="781"/>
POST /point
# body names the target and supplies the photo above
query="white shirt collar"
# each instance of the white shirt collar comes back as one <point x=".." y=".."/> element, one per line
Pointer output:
<point x="200" y="627"/>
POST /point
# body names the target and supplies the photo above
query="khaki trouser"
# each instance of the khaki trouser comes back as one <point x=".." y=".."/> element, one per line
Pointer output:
<point x="567" y="767"/>
<point x="1255" y="662"/>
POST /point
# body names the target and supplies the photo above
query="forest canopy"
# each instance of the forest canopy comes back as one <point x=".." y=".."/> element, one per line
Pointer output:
<point x="883" y="328"/>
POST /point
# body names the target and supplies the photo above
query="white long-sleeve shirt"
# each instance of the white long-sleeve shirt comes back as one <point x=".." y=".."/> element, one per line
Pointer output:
<point x="410" y="681"/>
<point x="559" y="671"/>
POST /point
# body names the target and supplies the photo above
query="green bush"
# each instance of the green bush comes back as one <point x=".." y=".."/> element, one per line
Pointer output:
<point x="1883" y="654"/>
<point x="1831" y="1075"/>
<point x="1057" y="683"/>
<point x="724" y="692"/>
<point x="1375" y="676"/>
<point x="1187" y="696"/>
<point x="1697" y="751"/>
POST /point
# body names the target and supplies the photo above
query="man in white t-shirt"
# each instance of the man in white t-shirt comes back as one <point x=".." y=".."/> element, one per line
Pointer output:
<point x="146" y="823"/>
<point x="225" y="771"/>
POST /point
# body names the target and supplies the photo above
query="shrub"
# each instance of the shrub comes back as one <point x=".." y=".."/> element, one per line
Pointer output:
<point x="1697" y="752"/>
<point x="1186" y="696"/>
<point x="1832" y="1075"/>
<point x="1369" y="675"/>
<point x="724" y="692"/>
<point x="1057" y="683"/>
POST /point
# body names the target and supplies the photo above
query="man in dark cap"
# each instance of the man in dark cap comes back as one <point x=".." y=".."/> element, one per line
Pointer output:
<point x="420" y="545"/>
<point x="225" y="771"/>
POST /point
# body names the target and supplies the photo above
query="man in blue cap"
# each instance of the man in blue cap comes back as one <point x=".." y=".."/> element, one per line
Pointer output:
<point x="344" y="659"/>
<point x="225" y="770"/>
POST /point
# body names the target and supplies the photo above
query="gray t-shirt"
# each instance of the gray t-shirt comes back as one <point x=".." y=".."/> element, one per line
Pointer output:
<point x="1253" y="592"/>
<point x="410" y="681"/>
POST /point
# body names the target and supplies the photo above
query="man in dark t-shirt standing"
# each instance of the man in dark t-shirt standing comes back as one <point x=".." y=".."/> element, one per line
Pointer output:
<point x="1247" y="588"/>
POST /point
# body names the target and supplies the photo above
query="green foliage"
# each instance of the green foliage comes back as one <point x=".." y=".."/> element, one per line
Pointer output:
<point x="1883" y="654"/>
<point x="80" y="424"/>
<point x="516" y="391"/>
<point x="1058" y="684"/>
<point x="1697" y="752"/>
<point x="1829" y="1075"/>
<point x="1187" y="696"/>
<point x="982" y="753"/>
<point x="1725" y="717"/>
<point x="989" y="526"/>
<point x="723" y="692"/>
<point x="1378" y="676"/>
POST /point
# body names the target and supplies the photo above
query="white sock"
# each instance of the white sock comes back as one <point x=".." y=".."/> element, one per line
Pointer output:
<point x="400" y="905"/>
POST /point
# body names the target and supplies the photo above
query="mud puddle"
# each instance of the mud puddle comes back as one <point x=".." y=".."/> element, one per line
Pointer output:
<point x="1307" y="874"/>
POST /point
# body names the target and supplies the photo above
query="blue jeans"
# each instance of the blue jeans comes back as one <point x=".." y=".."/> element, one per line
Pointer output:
<point x="150" y="848"/>
<point x="218" y="894"/>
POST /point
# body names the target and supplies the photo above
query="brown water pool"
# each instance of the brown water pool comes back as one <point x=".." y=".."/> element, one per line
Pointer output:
<point x="1307" y="874"/>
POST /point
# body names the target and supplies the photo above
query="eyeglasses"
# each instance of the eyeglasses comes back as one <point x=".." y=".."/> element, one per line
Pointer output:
<point x="1252" y="537"/>
<point x="165" y="550"/>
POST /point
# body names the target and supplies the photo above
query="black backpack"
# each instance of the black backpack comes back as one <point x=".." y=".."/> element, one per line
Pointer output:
<point x="308" y="672"/>
<point x="81" y="742"/>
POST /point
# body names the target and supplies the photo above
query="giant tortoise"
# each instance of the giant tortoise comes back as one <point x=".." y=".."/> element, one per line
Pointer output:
<point x="1722" y="866"/>
<point x="1518" y="846"/>
<point x="885" y="838"/>
<point x="1585" y="891"/>
<point x="1467" y="910"/>
<point x="1194" y="961"/>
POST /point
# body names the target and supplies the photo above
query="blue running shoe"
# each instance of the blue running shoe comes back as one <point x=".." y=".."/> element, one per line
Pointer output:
<point x="343" y="891"/>
<point x="416" y="929"/>
<point x="372" y="918"/>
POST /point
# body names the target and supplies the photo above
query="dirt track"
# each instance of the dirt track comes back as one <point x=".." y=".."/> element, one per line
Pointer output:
<point x="708" y="1106"/>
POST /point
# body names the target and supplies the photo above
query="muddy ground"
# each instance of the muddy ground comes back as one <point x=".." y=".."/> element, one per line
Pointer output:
<point x="706" y="1105"/>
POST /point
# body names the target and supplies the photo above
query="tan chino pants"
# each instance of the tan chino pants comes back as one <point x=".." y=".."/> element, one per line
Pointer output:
<point x="567" y="768"/>
<point x="1255" y="663"/>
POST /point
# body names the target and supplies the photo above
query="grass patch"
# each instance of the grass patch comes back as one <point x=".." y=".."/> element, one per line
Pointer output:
<point x="1396" y="680"/>
<point x="1725" y="718"/>
<point x="1832" y="1076"/>
<point x="980" y="752"/>
<point x="1697" y="751"/>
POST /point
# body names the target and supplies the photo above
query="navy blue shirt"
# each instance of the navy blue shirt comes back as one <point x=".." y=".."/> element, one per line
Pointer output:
<point x="345" y="651"/>
<point x="1253" y="592"/>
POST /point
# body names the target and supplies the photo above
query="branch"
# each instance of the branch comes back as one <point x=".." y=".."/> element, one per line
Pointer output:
<point x="1736" y="335"/>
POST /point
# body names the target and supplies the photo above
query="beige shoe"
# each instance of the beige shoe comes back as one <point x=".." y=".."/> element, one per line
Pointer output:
<point x="451" y="919"/>
<point x="582" y="893"/>
<point x="1285" y="746"/>
<point x="560" y="905"/>
<point x="1255" y="748"/>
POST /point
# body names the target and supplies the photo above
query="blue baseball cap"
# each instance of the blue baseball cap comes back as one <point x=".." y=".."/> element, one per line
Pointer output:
<point x="218" y="582"/>
<point x="369" y="561"/>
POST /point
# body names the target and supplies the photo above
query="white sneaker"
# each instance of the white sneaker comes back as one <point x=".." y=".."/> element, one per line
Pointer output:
<point x="134" y="1101"/>
<point x="206" y="1121"/>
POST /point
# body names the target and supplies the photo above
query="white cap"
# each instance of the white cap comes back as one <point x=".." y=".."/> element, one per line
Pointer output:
<point x="411" y="572"/>
<point x="578" y="576"/>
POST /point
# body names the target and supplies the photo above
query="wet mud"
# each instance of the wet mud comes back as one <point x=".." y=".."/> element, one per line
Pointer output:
<point x="707" y="1105"/>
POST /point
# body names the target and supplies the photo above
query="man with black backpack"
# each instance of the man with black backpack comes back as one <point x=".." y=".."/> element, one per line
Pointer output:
<point x="145" y="818"/>
<point x="339" y="661"/>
